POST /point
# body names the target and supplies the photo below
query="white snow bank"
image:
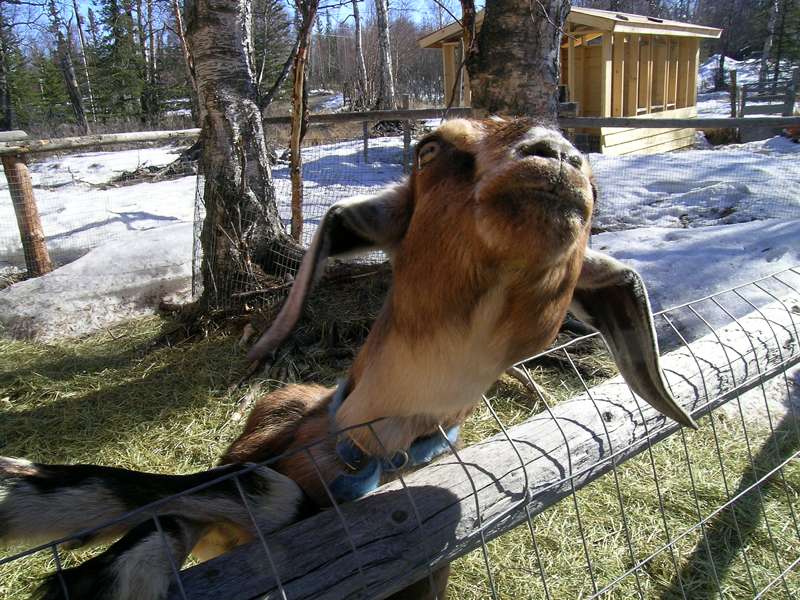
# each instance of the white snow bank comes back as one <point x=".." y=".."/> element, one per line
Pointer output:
<point x="123" y="279"/>
<point x="731" y="184"/>
<point x="681" y="265"/>
<point x="77" y="216"/>
<point x="336" y="102"/>
<point x="746" y="71"/>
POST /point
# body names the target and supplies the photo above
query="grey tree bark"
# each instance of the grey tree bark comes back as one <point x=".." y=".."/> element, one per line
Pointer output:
<point x="362" y="100"/>
<point x="242" y="229"/>
<point x="84" y="61"/>
<point x="515" y="70"/>
<point x="386" y="96"/>
<point x="67" y="67"/>
<point x="774" y="11"/>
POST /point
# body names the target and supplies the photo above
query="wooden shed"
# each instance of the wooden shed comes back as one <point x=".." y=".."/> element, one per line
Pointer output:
<point x="614" y="65"/>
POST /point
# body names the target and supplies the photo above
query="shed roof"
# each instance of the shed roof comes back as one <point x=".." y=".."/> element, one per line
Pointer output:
<point x="592" y="19"/>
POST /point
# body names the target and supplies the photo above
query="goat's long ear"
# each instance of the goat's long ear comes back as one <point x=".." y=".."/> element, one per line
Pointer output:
<point x="350" y="227"/>
<point x="612" y="298"/>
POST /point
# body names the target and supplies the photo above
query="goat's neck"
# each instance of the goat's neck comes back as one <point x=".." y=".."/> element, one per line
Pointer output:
<point x="416" y="374"/>
<point x="416" y="383"/>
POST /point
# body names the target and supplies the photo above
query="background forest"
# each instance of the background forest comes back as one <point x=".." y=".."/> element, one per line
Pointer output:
<point x="73" y="66"/>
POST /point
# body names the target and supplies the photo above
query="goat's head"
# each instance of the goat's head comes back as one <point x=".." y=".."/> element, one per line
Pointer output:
<point x="488" y="243"/>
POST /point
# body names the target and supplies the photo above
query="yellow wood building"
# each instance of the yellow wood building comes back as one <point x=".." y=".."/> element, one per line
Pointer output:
<point x="614" y="65"/>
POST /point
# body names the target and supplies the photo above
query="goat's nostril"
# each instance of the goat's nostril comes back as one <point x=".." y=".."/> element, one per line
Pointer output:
<point x="576" y="160"/>
<point x="542" y="148"/>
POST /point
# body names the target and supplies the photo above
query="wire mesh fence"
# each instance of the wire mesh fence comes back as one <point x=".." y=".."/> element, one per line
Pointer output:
<point x="565" y="485"/>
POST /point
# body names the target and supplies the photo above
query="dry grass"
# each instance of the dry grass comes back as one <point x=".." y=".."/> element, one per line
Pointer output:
<point x="106" y="401"/>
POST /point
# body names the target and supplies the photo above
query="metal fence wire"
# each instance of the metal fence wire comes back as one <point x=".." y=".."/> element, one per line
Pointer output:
<point x="722" y="186"/>
<point x="565" y="485"/>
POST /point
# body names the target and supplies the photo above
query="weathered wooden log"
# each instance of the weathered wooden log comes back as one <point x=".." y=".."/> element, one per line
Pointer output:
<point x="384" y="549"/>
<point x="84" y="141"/>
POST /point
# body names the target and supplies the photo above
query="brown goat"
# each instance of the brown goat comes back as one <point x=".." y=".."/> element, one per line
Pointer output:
<point x="488" y="240"/>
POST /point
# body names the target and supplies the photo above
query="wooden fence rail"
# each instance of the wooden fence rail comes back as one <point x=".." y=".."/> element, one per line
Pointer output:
<point x="596" y="430"/>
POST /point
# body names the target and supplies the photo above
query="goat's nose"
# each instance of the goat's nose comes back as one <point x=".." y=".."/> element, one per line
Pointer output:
<point x="551" y="146"/>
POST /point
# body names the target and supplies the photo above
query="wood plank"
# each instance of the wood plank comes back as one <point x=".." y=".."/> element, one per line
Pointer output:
<point x="673" y="73"/>
<point x="596" y="431"/>
<point x="682" y="98"/>
<point x="617" y="88"/>
<point x="642" y="142"/>
<point x="665" y="75"/>
<point x="572" y="80"/>
<point x="694" y="65"/>
<point x="699" y="123"/>
<point x="678" y="144"/>
<point x="632" y="76"/>
<point x="580" y="74"/>
<point x="647" y="58"/>
<point x="449" y="65"/>
<point x="606" y="75"/>
<point x="612" y="136"/>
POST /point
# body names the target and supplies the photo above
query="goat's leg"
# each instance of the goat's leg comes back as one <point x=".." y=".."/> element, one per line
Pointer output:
<point x="137" y="567"/>
<point x="90" y="504"/>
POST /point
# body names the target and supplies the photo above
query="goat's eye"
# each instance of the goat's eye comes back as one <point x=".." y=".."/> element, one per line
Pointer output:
<point x="427" y="152"/>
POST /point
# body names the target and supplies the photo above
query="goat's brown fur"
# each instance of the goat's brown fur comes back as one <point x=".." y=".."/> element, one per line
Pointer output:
<point x="488" y="241"/>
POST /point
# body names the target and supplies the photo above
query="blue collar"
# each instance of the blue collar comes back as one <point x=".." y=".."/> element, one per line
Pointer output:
<point x="366" y="471"/>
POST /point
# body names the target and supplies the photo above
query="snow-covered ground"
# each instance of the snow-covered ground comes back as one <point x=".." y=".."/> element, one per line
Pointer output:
<point x="692" y="222"/>
<point x="718" y="104"/>
<point x="79" y="211"/>
<point x="730" y="184"/>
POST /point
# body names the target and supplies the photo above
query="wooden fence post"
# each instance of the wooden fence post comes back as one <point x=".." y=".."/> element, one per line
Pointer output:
<point x="734" y="96"/>
<point x="365" y="130"/>
<point x="37" y="259"/>
<point x="406" y="136"/>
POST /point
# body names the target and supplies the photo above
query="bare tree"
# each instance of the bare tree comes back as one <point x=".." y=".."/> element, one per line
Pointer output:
<point x="386" y="96"/>
<point x="197" y="109"/>
<point x="68" y="67"/>
<point x="361" y="100"/>
<point x="82" y="43"/>
<point x="774" y="8"/>
<point x="516" y="68"/>
<point x="307" y="9"/>
<point x="242" y="228"/>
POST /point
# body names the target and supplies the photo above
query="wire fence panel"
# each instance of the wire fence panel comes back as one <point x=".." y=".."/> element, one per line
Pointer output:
<point x="566" y="485"/>
<point x="571" y="495"/>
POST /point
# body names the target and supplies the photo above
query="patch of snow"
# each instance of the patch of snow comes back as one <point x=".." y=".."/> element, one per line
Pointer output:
<point x="121" y="280"/>
<point x="714" y="105"/>
<point x="680" y="265"/>
<point x="708" y="219"/>
<point x="77" y="216"/>
<point x="179" y="112"/>
<point x="729" y="184"/>
<point x="332" y="104"/>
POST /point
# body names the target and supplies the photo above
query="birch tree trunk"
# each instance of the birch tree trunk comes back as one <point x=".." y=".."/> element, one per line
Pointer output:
<point x="772" y="22"/>
<point x="84" y="61"/>
<point x="385" y="100"/>
<point x="361" y="101"/>
<point x="242" y="228"/>
<point x="516" y="68"/>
